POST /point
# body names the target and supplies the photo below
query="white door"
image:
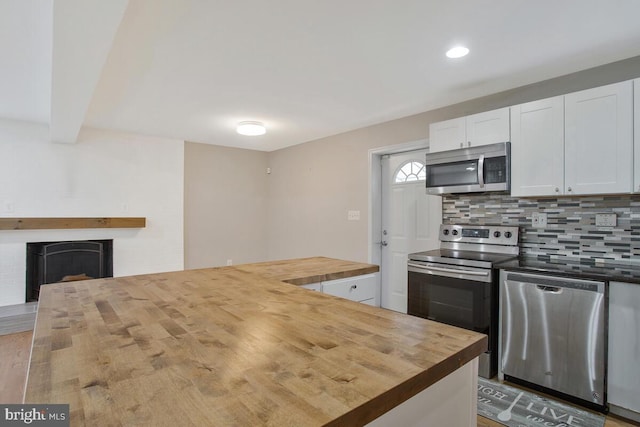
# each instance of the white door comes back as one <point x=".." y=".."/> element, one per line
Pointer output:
<point x="410" y="222"/>
<point x="599" y="140"/>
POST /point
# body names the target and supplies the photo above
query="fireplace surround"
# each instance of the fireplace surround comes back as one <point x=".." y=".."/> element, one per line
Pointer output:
<point x="52" y="262"/>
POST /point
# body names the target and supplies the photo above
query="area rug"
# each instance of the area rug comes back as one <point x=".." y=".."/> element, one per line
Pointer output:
<point x="513" y="407"/>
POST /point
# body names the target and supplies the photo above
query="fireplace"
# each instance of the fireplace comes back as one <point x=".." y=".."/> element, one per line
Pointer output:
<point x="52" y="262"/>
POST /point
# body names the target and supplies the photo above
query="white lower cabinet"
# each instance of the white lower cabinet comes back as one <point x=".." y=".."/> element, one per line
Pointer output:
<point x="623" y="389"/>
<point x="313" y="286"/>
<point x="362" y="289"/>
<point x="636" y="136"/>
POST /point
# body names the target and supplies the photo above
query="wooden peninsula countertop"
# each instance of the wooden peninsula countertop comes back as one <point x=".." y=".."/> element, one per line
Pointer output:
<point x="303" y="271"/>
<point x="232" y="346"/>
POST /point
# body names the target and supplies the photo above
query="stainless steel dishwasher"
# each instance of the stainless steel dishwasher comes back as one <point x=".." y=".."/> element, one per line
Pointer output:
<point x="553" y="334"/>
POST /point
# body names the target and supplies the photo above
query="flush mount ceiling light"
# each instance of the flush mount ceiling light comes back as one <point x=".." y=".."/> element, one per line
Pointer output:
<point x="457" y="52"/>
<point x="251" y="128"/>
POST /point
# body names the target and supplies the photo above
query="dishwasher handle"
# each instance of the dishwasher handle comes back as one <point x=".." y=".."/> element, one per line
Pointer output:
<point x="551" y="289"/>
<point x="555" y="283"/>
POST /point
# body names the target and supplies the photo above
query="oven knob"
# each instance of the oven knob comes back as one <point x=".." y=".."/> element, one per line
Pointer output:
<point x="445" y="231"/>
<point x="496" y="234"/>
<point x="454" y="232"/>
<point x="508" y="234"/>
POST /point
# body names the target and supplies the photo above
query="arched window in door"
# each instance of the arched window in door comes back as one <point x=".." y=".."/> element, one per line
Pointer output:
<point x="410" y="172"/>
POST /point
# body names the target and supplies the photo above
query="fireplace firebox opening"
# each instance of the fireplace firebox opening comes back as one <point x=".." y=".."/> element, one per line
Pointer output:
<point x="52" y="262"/>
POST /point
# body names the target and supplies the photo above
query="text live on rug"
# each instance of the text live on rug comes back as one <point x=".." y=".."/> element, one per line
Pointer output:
<point x="513" y="407"/>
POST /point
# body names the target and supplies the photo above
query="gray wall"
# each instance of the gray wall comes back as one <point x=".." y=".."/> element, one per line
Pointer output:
<point x="225" y="199"/>
<point x="313" y="185"/>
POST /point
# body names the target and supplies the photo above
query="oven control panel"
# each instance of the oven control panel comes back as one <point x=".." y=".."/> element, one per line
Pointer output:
<point x="486" y="234"/>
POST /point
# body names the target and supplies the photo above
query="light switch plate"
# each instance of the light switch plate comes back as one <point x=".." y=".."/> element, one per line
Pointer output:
<point x="606" y="220"/>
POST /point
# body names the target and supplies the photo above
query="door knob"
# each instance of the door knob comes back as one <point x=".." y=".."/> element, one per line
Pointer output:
<point x="383" y="243"/>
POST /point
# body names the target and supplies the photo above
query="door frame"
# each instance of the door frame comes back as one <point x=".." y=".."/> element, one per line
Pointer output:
<point x="375" y="194"/>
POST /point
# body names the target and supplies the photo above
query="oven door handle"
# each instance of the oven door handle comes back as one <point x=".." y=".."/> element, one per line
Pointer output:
<point x="449" y="270"/>
<point x="479" y="275"/>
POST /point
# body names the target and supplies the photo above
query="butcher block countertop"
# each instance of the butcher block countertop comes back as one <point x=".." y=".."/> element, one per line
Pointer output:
<point x="231" y="346"/>
<point x="303" y="271"/>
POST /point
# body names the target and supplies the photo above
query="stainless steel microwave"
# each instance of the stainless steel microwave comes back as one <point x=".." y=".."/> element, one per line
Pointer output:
<point x="470" y="170"/>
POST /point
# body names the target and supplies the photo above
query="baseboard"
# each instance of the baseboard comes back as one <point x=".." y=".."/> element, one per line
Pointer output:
<point x="17" y="318"/>
<point x="625" y="413"/>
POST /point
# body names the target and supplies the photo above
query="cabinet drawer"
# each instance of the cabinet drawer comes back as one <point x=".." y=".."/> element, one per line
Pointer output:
<point x="313" y="286"/>
<point x="357" y="288"/>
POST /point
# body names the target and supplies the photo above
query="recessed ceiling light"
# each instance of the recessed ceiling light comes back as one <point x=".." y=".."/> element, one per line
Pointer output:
<point x="457" y="52"/>
<point x="251" y="128"/>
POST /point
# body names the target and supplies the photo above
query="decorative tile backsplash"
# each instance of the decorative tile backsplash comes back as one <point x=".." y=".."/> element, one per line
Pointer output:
<point x="571" y="230"/>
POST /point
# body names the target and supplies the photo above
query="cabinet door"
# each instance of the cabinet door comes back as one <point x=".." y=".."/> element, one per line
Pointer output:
<point x="447" y="135"/>
<point x="489" y="127"/>
<point x="599" y="140"/>
<point x="537" y="148"/>
<point x="623" y="389"/>
<point x="636" y="135"/>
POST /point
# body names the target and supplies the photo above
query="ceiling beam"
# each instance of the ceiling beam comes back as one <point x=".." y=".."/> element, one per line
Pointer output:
<point x="83" y="32"/>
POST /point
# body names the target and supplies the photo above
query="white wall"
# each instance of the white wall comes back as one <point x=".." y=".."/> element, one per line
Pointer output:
<point x="104" y="174"/>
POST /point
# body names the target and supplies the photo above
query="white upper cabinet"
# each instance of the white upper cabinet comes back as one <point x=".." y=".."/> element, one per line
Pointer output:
<point x="489" y="127"/>
<point x="576" y="144"/>
<point x="636" y="135"/>
<point x="478" y="129"/>
<point x="447" y="135"/>
<point x="537" y="148"/>
<point x="599" y="140"/>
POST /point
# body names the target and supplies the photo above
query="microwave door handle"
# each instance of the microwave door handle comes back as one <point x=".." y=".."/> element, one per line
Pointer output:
<point x="481" y="171"/>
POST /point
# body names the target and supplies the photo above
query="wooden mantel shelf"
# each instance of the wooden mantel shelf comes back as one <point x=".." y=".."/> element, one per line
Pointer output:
<point x="66" y="223"/>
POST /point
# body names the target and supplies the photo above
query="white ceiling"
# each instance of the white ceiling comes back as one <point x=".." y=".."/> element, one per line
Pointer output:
<point x="191" y="69"/>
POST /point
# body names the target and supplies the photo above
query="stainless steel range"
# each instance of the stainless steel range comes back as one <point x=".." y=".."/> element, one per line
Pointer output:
<point x="458" y="284"/>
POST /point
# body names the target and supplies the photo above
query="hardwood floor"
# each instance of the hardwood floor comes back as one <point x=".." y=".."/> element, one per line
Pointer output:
<point x="14" y="361"/>
<point x="611" y="421"/>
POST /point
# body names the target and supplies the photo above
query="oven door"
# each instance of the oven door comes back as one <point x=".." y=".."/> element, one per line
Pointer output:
<point x="458" y="296"/>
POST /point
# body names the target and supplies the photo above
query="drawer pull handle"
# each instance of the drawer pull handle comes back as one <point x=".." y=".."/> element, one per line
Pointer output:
<point x="354" y="287"/>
